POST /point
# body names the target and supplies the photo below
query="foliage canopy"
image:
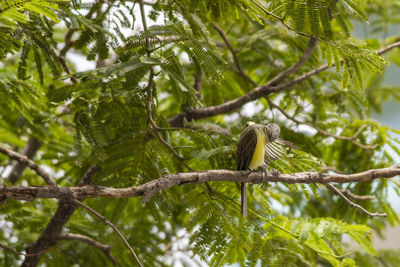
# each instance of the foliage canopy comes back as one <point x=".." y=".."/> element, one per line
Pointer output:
<point x="195" y="55"/>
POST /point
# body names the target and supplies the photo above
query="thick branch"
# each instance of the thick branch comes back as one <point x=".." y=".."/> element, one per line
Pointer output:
<point x="151" y="188"/>
<point x="258" y="92"/>
<point x="50" y="235"/>
<point x="106" y="249"/>
<point x="30" y="164"/>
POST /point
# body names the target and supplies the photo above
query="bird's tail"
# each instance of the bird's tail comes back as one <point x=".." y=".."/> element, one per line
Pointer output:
<point x="244" y="199"/>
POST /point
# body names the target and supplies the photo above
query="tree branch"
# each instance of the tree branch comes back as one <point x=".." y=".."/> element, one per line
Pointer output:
<point x="177" y="121"/>
<point x="352" y="204"/>
<point x="50" y="235"/>
<point x="30" y="164"/>
<point x="234" y="55"/>
<point x="322" y="68"/>
<point x="87" y="177"/>
<point x="30" y="149"/>
<point x="21" y="253"/>
<point x="107" y="222"/>
<point x="349" y="194"/>
<point x="268" y="88"/>
<point x="323" y="132"/>
<point x="106" y="249"/>
<point x="151" y="188"/>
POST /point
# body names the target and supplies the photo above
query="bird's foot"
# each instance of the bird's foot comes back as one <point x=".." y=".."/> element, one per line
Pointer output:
<point x="274" y="172"/>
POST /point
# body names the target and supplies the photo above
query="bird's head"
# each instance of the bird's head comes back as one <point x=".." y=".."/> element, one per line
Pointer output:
<point x="272" y="131"/>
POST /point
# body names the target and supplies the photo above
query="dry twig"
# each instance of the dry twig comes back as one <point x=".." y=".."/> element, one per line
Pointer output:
<point x="352" y="204"/>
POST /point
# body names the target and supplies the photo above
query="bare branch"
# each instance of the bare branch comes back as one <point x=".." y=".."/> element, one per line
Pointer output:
<point x="151" y="188"/>
<point x="177" y="120"/>
<point x="352" y="204"/>
<point x="107" y="222"/>
<point x="30" y="149"/>
<point x="106" y="249"/>
<point x="234" y="55"/>
<point x="323" y="132"/>
<point x="30" y="164"/>
<point x="349" y="194"/>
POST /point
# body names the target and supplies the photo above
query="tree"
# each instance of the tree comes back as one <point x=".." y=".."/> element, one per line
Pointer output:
<point x="147" y="138"/>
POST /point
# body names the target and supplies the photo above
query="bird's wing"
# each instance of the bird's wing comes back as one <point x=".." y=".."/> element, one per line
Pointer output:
<point x="286" y="143"/>
<point x="278" y="149"/>
<point x="246" y="147"/>
<point x="285" y="157"/>
<point x="274" y="150"/>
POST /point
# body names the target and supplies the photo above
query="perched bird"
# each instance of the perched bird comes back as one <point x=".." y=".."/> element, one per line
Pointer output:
<point x="255" y="150"/>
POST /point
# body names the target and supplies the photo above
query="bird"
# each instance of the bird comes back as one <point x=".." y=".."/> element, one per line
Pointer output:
<point x="255" y="149"/>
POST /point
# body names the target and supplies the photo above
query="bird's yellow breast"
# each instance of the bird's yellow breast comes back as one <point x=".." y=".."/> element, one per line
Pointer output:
<point x="258" y="156"/>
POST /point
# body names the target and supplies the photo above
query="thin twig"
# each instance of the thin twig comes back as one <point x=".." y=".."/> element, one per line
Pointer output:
<point x="303" y="59"/>
<point x="150" y="97"/>
<point x="22" y="253"/>
<point x="323" y="132"/>
<point x="107" y="222"/>
<point x="30" y="164"/>
<point x="322" y="68"/>
<point x="352" y="204"/>
<point x="234" y="55"/>
<point x="106" y="249"/>
<point x="282" y="20"/>
<point x="349" y="194"/>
